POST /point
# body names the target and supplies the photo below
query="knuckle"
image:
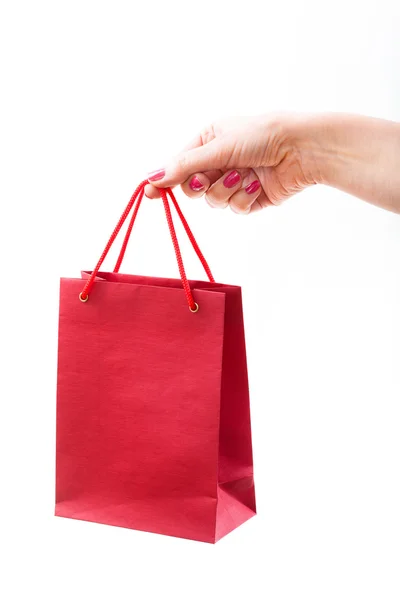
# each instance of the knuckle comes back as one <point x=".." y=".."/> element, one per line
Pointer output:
<point x="275" y="199"/>
<point x="208" y="202"/>
<point x="240" y="209"/>
<point x="214" y="202"/>
<point x="207" y="134"/>
<point x="277" y="192"/>
<point x="181" y="163"/>
<point x="210" y="198"/>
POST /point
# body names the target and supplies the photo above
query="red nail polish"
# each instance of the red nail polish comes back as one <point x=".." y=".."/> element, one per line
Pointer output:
<point x="156" y="175"/>
<point x="253" y="187"/>
<point x="195" y="184"/>
<point x="232" y="179"/>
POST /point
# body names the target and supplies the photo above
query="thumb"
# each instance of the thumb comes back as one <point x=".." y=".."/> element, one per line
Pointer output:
<point x="213" y="155"/>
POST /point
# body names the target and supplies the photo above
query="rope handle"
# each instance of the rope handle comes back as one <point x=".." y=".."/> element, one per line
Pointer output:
<point x="138" y="196"/>
<point x="184" y="223"/>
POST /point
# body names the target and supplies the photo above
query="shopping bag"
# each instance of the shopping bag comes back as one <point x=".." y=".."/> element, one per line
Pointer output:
<point x="153" y="418"/>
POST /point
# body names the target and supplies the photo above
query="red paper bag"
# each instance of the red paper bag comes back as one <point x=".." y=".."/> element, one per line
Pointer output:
<point x="153" y="420"/>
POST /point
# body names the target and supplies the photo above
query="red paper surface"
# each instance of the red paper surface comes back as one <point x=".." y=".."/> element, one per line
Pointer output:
<point x="153" y="421"/>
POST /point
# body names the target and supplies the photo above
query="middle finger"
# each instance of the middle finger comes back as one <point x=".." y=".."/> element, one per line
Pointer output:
<point x="219" y="193"/>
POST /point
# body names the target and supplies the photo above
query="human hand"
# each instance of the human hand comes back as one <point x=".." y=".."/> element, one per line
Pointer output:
<point x="252" y="163"/>
<point x="246" y="163"/>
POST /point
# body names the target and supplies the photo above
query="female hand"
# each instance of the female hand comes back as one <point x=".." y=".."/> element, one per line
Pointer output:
<point x="246" y="163"/>
<point x="252" y="163"/>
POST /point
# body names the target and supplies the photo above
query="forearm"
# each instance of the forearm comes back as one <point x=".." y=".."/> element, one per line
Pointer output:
<point x="359" y="155"/>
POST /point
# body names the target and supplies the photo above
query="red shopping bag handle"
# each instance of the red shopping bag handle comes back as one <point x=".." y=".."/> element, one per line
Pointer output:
<point x="184" y="223"/>
<point x="138" y="196"/>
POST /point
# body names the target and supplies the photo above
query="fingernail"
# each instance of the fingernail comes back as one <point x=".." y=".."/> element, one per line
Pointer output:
<point x="232" y="179"/>
<point x="195" y="184"/>
<point x="252" y="187"/>
<point x="156" y="175"/>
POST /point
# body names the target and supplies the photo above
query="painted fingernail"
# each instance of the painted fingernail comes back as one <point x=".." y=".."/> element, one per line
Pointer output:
<point x="232" y="179"/>
<point x="253" y="187"/>
<point x="156" y="175"/>
<point x="195" y="184"/>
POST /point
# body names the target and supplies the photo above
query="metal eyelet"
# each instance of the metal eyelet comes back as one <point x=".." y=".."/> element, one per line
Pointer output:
<point x="193" y="310"/>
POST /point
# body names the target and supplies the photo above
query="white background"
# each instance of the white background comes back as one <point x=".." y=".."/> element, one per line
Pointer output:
<point x="95" y="94"/>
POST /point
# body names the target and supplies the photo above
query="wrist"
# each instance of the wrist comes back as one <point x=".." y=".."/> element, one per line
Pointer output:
<point x="356" y="154"/>
<point x="335" y="145"/>
<point x="318" y="142"/>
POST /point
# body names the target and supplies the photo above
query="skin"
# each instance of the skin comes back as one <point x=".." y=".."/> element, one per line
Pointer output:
<point x="286" y="153"/>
